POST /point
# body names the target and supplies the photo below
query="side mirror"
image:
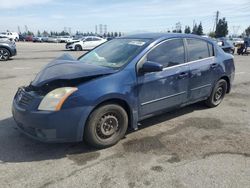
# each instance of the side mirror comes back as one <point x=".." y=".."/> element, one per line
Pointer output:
<point x="150" y="66"/>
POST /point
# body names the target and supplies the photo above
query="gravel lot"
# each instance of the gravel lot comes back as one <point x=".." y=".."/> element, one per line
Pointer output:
<point x="191" y="147"/>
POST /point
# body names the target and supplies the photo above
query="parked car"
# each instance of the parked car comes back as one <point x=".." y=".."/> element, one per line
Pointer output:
<point x="29" y="38"/>
<point x="22" y="37"/>
<point x="64" y="39"/>
<point x="86" y="43"/>
<point x="7" y="49"/>
<point x="53" y="39"/>
<point x="2" y="38"/>
<point x="226" y="45"/>
<point x="118" y="84"/>
<point x="11" y="35"/>
<point x="37" y="39"/>
<point x="237" y="41"/>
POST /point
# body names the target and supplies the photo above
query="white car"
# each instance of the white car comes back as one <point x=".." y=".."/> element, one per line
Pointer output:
<point x="237" y="41"/>
<point x="11" y="35"/>
<point x="86" y="43"/>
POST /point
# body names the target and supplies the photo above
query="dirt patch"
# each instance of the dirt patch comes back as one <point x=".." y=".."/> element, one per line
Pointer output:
<point x="6" y="77"/>
<point x="83" y="158"/>
<point x="143" y="145"/>
<point x="195" y="138"/>
<point x="237" y="95"/>
<point x="174" y="159"/>
<point x="157" y="168"/>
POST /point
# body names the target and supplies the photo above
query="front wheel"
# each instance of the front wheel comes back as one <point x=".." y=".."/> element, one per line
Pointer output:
<point x="4" y="54"/>
<point x="78" y="48"/>
<point x="106" y="126"/>
<point x="218" y="94"/>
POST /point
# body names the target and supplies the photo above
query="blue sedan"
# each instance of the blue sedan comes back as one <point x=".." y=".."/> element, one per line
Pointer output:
<point x="99" y="96"/>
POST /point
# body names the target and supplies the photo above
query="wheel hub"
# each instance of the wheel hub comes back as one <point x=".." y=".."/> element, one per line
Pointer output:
<point x="3" y="55"/>
<point x="107" y="126"/>
<point x="218" y="93"/>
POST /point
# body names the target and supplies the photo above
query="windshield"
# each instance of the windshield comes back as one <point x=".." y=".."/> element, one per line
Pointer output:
<point x="115" y="53"/>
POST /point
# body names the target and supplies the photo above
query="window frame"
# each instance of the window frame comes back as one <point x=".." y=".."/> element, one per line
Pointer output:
<point x="142" y="59"/>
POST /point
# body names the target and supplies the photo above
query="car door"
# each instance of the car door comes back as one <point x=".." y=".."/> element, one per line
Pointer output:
<point x="166" y="89"/>
<point x="202" y="66"/>
<point x="96" y="41"/>
<point x="88" y="43"/>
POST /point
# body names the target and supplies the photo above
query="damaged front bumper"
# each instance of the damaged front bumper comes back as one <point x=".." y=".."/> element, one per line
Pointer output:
<point x="60" y="126"/>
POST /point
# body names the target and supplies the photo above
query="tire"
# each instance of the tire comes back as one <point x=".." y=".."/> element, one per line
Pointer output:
<point x="78" y="48"/>
<point x="4" y="54"/>
<point x="106" y="126"/>
<point x="218" y="94"/>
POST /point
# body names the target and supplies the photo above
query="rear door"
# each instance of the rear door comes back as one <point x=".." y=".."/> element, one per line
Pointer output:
<point x="166" y="89"/>
<point x="202" y="67"/>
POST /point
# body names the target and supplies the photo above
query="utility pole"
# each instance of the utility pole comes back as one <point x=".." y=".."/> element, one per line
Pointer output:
<point x="216" y="20"/>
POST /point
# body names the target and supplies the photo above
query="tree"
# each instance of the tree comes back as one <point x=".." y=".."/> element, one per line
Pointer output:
<point x="38" y="33"/>
<point x="200" y="29"/>
<point x="116" y="34"/>
<point x="187" y="30"/>
<point x="247" y="31"/>
<point x="212" y="34"/>
<point x="221" y="28"/>
<point x="195" y="29"/>
<point x="119" y="34"/>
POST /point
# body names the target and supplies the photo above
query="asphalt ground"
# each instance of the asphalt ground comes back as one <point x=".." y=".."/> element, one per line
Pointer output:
<point x="191" y="147"/>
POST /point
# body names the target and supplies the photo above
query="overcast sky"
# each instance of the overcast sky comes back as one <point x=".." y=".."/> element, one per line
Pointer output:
<point x="125" y="16"/>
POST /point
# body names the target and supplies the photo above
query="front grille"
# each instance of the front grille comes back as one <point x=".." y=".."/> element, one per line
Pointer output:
<point x="23" y="98"/>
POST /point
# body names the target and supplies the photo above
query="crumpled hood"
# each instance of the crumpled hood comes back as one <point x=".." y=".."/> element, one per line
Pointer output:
<point x="67" y="68"/>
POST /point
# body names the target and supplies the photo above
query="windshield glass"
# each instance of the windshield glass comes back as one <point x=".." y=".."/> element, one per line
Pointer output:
<point x="115" y="53"/>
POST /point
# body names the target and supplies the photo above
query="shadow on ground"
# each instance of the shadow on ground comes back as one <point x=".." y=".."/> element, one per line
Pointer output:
<point x="16" y="147"/>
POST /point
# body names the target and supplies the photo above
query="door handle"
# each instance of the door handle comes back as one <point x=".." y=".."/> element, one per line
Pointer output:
<point x="183" y="75"/>
<point x="214" y="65"/>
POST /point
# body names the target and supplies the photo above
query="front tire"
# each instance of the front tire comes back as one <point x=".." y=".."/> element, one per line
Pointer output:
<point x="78" y="48"/>
<point x="4" y="54"/>
<point x="218" y="94"/>
<point x="106" y="126"/>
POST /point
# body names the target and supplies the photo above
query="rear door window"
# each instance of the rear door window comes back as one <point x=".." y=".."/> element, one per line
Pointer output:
<point x="198" y="49"/>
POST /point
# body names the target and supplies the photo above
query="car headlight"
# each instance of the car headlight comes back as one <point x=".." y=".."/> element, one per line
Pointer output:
<point x="54" y="100"/>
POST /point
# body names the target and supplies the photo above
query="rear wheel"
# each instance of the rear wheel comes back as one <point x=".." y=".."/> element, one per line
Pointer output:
<point x="4" y="54"/>
<point x="78" y="48"/>
<point x="217" y="94"/>
<point x="106" y="126"/>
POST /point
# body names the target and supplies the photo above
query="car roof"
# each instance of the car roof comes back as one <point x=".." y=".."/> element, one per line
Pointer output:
<point x="156" y="36"/>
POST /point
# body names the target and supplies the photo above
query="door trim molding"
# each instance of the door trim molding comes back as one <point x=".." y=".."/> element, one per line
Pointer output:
<point x="162" y="98"/>
<point x="200" y="87"/>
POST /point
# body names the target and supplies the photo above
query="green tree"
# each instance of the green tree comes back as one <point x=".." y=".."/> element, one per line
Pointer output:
<point x="247" y="31"/>
<point x="195" y="29"/>
<point x="116" y="34"/>
<point x="221" y="28"/>
<point x="212" y="34"/>
<point x="38" y="33"/>
<point x="119" y="34"/>
<point x="200" y="29"/>
<point x="187" y="30"/>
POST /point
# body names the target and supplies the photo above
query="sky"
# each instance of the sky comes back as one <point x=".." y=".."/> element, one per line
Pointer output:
<point x="127" y="16"/>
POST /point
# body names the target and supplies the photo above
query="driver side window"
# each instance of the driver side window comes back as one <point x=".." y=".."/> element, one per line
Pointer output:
<point x="169" y="53"/>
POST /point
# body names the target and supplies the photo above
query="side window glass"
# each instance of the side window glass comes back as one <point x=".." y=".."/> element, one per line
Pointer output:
<point x="197" y="49"/>
<point x="169" y="53"/>
<point x="210" y="49"/>
<point x="88" y="39"/>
